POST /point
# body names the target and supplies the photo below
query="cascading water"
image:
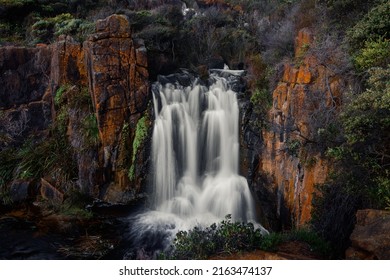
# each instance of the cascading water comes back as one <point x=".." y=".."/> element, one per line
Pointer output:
<point x="195" y="156"/>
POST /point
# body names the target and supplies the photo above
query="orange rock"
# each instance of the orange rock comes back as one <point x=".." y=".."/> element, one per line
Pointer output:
<point x="304" y="39"/>
<point x="290" y="74"/>
<point x="295" y="98"/>
<point x="304" y="75"/>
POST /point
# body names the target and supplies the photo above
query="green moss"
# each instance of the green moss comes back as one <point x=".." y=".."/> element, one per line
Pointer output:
<point x="141" y="132"/>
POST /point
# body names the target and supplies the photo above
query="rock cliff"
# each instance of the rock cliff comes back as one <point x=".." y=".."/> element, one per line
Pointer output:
<point x="112" y="67"/>
<point x="289" y="165"/>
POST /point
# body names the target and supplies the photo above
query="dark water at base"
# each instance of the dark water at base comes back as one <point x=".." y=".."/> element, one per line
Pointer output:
<point x="106" y="236"/>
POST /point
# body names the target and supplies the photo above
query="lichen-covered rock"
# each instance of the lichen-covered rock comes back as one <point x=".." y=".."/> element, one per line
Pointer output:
<point x="370" y="240"/>
<point x="118" y="82"/>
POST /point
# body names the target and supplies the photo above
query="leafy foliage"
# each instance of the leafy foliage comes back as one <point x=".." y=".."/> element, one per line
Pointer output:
<point x="44" y="29"/>
<point x="375" y="53"/>
<point x="362" y="163"/>
<point x="226" y="237"/>
<point x="373" y="26"/>
<point x="230" y="237"/>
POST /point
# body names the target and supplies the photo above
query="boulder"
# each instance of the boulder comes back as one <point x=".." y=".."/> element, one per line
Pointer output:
<point x="370" y="240"/>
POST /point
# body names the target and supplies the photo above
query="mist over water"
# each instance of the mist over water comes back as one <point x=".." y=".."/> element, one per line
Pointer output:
<point x="195" y="155"/>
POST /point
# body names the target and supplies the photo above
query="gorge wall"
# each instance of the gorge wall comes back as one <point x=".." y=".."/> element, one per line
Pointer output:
<point x="110" y="68"/>
<point x="287" y="162"/>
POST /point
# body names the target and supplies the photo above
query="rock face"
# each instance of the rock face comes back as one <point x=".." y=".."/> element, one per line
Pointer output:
<point x="286" y="163"/>
<point x="370" y="239"/>
<point x="24" y="107"/>
<point x="118" y="82"/>
<point x="112" y="67"/>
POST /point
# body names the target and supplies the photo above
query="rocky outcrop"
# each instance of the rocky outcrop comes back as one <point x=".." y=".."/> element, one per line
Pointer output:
<point x="370" y="240"/>
<point x="112" y="67"/>
<point x="289" y="161"/>
<point x="118" y="82"/>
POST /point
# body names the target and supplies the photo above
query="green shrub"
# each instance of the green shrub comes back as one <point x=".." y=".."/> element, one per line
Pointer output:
<point x="46" y="29"/>
<point x="261" y="101"/>
<point x="230" y="237"/>
<point x="373" y="26"/>
<point x="293" y="147"/>
<point x="375" y="53"/>
<point x="8" y="164"/>
<point x="367" y="118"/>
<point x="226" y="237"/>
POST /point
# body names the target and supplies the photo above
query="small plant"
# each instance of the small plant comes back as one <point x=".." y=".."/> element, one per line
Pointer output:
<point x="59" y="97"/>
<point x="5" y="198"/>
<point x="141" y="132"/>
<point x="293" y="147"/>
<point x="261" y="100"/>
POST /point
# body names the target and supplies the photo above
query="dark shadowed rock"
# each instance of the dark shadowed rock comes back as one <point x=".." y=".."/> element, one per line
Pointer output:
<point x="370" y="239"/>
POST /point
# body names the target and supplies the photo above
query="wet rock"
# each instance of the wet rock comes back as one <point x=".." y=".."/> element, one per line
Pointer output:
<point x="370" y="240"/>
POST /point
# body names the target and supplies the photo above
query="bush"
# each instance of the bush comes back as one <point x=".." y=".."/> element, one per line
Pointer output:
<point x="226" y="237"/>
<point x="293" y="147"/>
<point x="375" y="53"/>
<point x="45" y="30"/>
<point x="230" y="237"/>
<point x="373" y="26"/>
<point x="361" y="163"/>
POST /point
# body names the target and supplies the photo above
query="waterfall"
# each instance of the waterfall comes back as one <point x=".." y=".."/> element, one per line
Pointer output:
<point x="196" y="152"/>
<point x="195" y="155"/>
